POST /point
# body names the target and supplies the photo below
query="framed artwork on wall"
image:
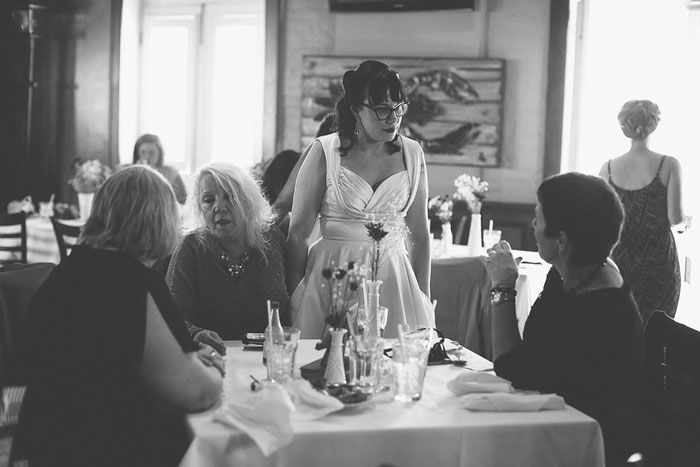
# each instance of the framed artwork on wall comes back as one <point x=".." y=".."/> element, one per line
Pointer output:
<point x="455" y="111"/>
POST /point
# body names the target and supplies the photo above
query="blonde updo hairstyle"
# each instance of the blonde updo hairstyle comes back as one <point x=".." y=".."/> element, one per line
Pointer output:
<point x="638" y="118"/>
<point x="245" y="195"/>
<point x="134" y="211"/>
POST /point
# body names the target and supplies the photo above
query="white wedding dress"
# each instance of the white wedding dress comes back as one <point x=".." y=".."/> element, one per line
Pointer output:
<point x="347" y="203"/>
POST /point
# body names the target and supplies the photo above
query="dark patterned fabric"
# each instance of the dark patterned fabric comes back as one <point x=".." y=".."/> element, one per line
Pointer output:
<point x="646" y="253"/>
<point x="232" y="306"/>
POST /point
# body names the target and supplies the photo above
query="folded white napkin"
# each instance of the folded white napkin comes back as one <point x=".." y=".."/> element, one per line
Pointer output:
<point x="471" y="381"/>
<point x="511" y="402"/>
<point x="264" y="415"/>
<point x="309" y="403"/>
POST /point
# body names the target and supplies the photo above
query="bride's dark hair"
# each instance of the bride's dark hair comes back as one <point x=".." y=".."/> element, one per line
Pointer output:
<point x="374" y="81"/>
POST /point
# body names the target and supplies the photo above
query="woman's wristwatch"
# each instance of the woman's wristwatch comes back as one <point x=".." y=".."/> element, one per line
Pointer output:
<point x="503" y="293"/>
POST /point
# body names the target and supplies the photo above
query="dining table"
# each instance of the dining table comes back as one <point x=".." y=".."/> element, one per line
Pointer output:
<point x="433" y="431"/>
<point x="42" y="246"/>
<point x="461" y="286"/>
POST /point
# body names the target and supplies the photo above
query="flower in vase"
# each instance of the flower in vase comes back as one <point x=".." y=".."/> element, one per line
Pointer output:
<point x="472" y="190"/>
<point x="342" y="283"/>
<point x="440" y="209"/>
<point x="88" y="175"/>
<point x="382" y="230"/>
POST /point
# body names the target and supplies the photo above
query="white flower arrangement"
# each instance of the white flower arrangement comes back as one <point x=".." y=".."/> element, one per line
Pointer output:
<point x="472" y="190"/>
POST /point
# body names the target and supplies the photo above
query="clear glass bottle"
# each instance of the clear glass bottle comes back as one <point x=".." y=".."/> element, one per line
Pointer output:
<point x="274" y="331"/>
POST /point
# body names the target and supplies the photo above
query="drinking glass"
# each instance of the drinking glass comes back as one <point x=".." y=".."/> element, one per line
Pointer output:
<point x="281" y="357"/>
<point x="363" y="320"/>
<point x="410" y="361"/>
<point x="382" y="315"/>
<point x="491" y="237"/>
<point x="46" y="209"/>
<point x="365" y="362"/>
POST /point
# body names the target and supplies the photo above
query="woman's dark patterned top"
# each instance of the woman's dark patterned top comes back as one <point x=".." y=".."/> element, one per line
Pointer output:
<point x="646" y="253"/>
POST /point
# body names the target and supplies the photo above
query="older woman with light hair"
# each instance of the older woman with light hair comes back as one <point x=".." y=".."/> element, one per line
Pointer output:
<point x="231" y="261"/>
<point x="109" y="366"/>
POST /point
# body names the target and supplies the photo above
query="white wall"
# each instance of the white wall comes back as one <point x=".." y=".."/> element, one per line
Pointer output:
<point x="517" y="31"/>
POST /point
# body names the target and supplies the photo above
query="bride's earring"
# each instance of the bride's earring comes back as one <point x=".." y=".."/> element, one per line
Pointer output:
<point x="357" y="126"/>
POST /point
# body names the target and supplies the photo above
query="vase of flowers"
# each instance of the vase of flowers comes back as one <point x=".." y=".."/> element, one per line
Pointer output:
<point x="88" y="176"/>
<point x="335" y="365"/>
<point x="342" y="284"/>
<point x="440" y="212"/>
<point x="472" y="190"/>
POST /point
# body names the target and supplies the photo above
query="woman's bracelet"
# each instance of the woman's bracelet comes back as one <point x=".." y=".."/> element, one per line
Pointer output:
<point x="502" y="293"/>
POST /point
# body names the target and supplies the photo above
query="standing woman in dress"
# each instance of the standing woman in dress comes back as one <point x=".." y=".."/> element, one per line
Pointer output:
<point x="649" y="185"/>
<point x="364" y="168"/>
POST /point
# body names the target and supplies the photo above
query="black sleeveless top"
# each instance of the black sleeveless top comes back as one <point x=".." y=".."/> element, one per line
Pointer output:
<point x="82" y="336"/>
<point x="646" y="253"/>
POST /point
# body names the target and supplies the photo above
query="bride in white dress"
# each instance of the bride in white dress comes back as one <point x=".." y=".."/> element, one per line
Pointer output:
<point x="365" y="168"/>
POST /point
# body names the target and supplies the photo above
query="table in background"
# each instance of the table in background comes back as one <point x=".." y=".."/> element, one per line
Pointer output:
<point x="41" y="240"/>
<point x="434" y="431"/>
<point x="462" y="288"/>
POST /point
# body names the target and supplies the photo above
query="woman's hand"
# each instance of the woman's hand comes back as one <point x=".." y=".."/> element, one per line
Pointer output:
<point x="500" y="265"/>
<point x="210" y="338"/>
<point x="210" y="357"/>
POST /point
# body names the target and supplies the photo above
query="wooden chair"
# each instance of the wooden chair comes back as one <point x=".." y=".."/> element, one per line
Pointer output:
<point x="66" y="236"/>
<point x="671" y="393"/>
<point x="14" y="240"/>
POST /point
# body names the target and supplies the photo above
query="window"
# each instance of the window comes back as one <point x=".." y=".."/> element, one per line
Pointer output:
<point x="201" y="86"/>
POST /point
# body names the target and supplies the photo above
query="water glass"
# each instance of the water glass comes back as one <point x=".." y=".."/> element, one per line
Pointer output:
<point x="46" y="209"/>
<point x="365" y="360"/>
<point x="491" y="237"/>
<point x="281" y="357"/>
<point x="410" y="361"/>
<point x="363" y="320"/>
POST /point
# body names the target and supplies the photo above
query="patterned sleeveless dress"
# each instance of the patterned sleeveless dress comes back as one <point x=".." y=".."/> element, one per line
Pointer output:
<point x="646" y="253"/>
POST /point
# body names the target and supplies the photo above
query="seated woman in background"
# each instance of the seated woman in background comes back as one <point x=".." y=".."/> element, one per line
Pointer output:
<point x="149" y="150"/>
<point x="109" y="366"/>
<point x="583" y="338"/>
<point x="232" y="261"/>
<point x="649" y="186"/>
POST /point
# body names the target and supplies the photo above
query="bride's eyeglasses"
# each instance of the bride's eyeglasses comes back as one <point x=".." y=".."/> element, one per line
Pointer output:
<point x="384" y="112"/>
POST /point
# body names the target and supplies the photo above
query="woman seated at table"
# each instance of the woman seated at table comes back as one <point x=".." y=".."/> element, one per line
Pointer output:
<point x="109" y="367"/>
<point x="583" y="338"/>
<point x="148" y="150"/>
<point x="232" y="261"/>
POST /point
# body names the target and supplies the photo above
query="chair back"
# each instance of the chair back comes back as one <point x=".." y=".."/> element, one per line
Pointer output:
<point x="13" y="238"/>
<point x="18" y="283"/>
<point x="66" y="236"/>
<point x="671" y="392"/>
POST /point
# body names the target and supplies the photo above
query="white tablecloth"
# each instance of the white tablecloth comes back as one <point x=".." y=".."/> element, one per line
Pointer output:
<point x="433" y="432"/>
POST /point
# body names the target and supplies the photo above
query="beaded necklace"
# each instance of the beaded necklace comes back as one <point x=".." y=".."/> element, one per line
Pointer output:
<point x="236" y="270"/>
<point x="586" y="281"/>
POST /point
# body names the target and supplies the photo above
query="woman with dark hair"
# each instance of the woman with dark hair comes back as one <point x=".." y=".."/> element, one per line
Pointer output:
<point x="109" y="367"/>
<point x="363" y="169"/>
<point x="649" y="185"/>
<point x="148" y="150"/>
<point x="583" y="338"/>
<point x="277" y="173"/>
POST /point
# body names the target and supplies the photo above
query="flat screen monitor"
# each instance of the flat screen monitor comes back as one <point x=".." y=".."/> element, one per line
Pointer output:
<point x="399" y="5"/>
